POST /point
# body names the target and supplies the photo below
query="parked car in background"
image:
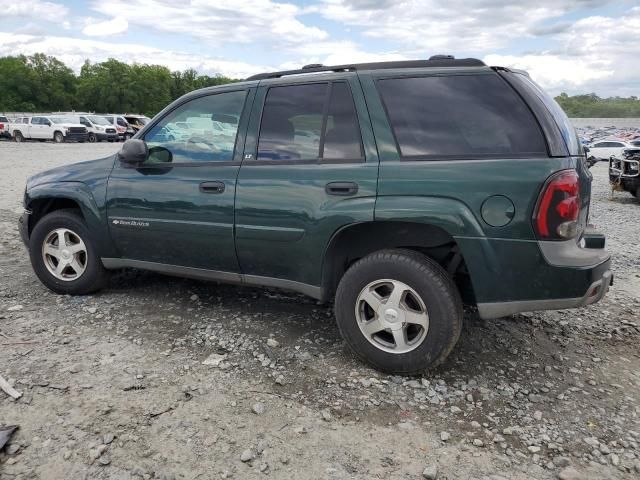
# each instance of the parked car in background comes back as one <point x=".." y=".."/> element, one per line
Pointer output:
<point x="99" y="128"/>
<point x="603" y="149"/>
<point x="4" y="127"/>
<point x="624" y="171"/>
<point x="42" y="127"/>
<point x="136" y="122"/>
<point x="433" y="183"/>
<point x="125" y="132"/>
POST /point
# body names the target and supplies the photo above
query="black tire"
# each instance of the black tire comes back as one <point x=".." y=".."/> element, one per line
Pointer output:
<point x="17" y="136"/>
<point x="58" y="137"/>
<point x="92" y="138"/>
<point x="435" y="288"/>
<point x="94" y="276"/>
<point x="127" y="136"/>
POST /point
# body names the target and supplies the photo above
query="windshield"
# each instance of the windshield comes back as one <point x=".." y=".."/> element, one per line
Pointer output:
<point x="98" y="120"/>
<point x="62" y="120"/>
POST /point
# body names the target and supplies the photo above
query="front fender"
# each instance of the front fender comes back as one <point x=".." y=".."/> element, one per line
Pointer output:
<point x="90" y="199"/>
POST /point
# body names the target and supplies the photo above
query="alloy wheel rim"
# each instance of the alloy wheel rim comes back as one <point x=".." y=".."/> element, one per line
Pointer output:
<point x="65" y="254"/>
<point x="392" y="316"/>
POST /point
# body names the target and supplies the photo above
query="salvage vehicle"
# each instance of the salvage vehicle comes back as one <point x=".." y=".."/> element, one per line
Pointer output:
<point x="434" y="183"/>
<point x="624" y="171"/>
<point x="41" y="127"/>
<point x="136" y="122"/>
<point x="4" y="127"/>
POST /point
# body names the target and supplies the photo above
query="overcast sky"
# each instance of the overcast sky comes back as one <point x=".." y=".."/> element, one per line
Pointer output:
<point x="575" y="46"/>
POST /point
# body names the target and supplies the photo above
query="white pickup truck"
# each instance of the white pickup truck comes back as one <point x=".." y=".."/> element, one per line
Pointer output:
<point x="58" y="129"/>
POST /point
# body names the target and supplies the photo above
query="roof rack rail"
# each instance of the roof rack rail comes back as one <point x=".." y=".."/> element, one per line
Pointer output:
<point x="434" y="61"/>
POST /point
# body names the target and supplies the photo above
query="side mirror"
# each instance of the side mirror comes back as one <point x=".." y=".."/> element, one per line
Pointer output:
<point x="133" y="152"/>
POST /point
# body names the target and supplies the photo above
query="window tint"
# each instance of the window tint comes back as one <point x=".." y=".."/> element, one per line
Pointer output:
<point x="616" y="144"/>
<point x="202" y="130"/>
<point x="461" y="116"/>
<point x="295" y="127"/>
<point x="292" y="122"/>
<point x="600" y="145"/>
<point x="122" y="122"/>
<point x="342" y="140"/>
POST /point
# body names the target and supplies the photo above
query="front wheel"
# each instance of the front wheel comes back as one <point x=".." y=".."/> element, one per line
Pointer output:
<point x="399" y="311"/>
<point x="58" y="137"/>
<point x="92" y="138"/>
<point x="64" y="256"/>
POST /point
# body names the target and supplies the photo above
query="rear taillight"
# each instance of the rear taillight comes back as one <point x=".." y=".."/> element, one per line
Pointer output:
<point x="1" y="126"/>
<point x="558" y="207"/>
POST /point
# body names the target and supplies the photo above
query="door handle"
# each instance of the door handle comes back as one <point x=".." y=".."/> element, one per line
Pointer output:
<point x="212" y="187"/>
<point x="343" y="189"/>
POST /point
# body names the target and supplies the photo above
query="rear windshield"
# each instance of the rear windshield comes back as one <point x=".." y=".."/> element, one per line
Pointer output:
<point x="464" y="116"/>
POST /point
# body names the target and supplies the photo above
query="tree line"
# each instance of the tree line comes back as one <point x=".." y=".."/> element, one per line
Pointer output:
<point x="41" y="83"/>
<point x="592" y="106"/>
<point x="44" y="83"/>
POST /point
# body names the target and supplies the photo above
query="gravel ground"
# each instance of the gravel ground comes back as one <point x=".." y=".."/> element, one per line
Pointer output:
<point x="164" y="378"/>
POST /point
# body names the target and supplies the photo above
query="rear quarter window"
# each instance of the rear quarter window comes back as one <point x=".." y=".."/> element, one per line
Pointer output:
<point x="465" y="116"/>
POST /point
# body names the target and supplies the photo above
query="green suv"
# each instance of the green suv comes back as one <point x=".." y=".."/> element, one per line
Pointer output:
<point x="401" y="190"/>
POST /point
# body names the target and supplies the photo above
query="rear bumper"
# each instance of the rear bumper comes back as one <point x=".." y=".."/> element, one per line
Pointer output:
<point x="511" y="276"/>
<point x="602" y="279"/>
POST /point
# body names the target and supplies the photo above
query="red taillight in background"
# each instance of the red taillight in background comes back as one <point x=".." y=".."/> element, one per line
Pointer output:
<point x="558" y="207"/>
<point x="1" y="126"/>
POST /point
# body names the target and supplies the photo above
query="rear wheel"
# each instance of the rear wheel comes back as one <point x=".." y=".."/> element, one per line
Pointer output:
<point x="63" y="254"/>
<point x="399" y="311"/>
<point x="58" y="137"/>
<point x="17" y="136"/>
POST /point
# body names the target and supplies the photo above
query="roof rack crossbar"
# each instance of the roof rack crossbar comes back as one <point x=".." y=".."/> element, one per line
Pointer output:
<point x="435" y="61"/>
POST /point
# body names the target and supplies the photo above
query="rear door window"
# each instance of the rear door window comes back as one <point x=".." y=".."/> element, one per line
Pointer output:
<point x="310" y="122"/>
<point x="464" y="116"/>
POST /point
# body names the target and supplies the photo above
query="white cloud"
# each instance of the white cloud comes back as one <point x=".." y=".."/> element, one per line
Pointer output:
<point x="35" y="9"/>
<point x="217" y="22"/>
<point x="554" y="72"/>
<point x="595" y="54"/>
<point x="452" y="26"/>
<point x="74" y="51"/>
<point x="114" y="26"/>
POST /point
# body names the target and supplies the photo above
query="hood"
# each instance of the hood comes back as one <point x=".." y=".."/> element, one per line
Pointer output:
<point x="86" y="172"/>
